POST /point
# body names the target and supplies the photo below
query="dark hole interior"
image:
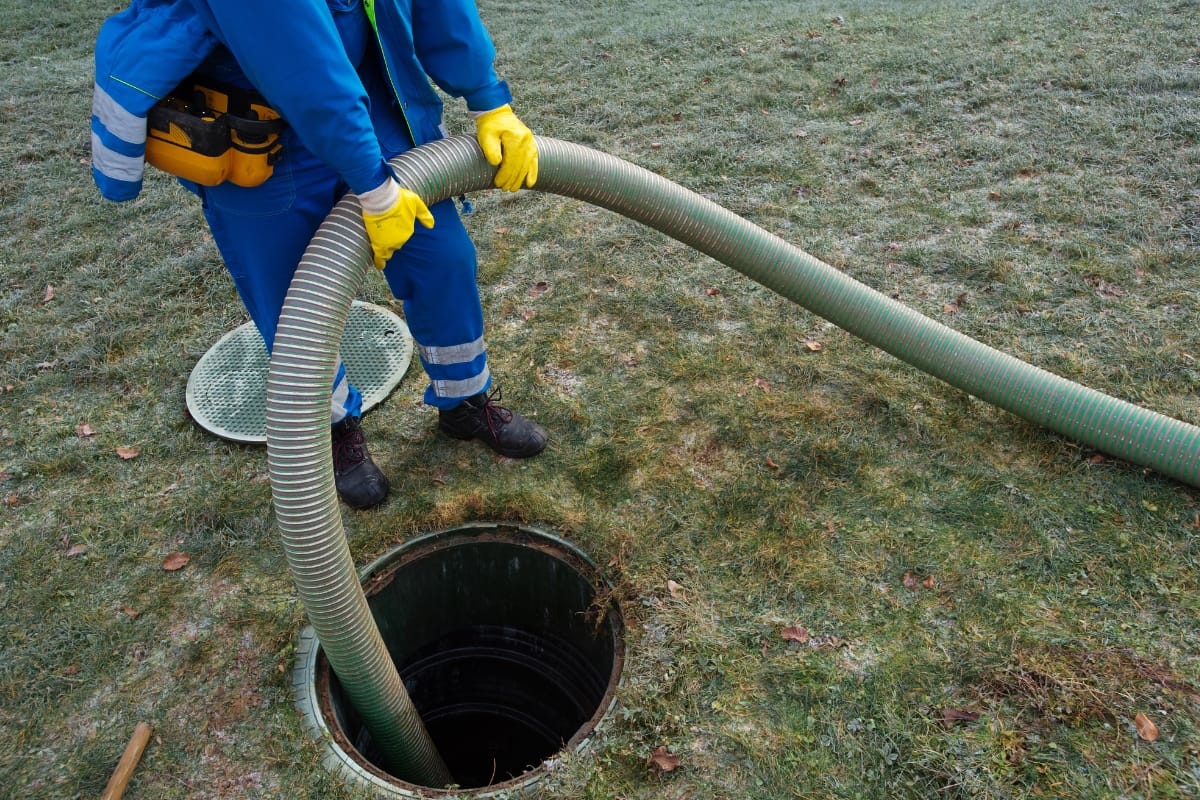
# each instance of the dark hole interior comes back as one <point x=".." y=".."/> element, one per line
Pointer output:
<point x="501" y="652"/>
<point x="497" y="701"/>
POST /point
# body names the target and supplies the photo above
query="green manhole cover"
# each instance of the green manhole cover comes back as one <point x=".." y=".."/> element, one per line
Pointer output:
<point x="227" y="390"/>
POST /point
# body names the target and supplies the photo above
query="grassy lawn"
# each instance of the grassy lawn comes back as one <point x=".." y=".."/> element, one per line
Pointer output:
<point x="882" y="587"/>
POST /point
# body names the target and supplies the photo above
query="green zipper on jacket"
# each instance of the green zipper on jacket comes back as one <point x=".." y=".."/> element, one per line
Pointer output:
<point x="369" y="7"/>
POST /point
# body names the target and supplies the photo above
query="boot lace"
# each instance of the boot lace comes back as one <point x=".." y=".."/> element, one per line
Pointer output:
<point x="349" y="448"/>
<point x="496" y="415"/>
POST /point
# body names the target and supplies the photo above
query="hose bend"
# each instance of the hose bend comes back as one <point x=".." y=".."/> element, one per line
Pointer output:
<point x="314" y="315"/>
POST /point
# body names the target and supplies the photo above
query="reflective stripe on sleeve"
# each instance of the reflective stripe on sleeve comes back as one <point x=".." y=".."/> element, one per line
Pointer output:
<point x="116" y="119"/>
<point x="114" y="165"/>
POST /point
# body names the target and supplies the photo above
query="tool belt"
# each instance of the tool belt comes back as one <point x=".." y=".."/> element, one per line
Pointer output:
<point x="209" y="132"/>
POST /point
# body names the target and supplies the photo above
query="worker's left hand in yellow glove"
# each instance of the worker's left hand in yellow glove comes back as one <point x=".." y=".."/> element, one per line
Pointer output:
<point x="508" y="143"/>
<point x="391" y="213"/>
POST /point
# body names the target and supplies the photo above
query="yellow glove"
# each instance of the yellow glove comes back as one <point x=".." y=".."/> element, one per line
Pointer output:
<point x="508" y="144"/>
<point x="391" y="214"/>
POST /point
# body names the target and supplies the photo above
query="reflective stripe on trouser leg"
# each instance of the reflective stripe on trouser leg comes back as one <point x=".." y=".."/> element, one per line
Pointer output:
<point x="262" y="233"/>
<point x="435" y="275"/>
<point x="346" y="400"/>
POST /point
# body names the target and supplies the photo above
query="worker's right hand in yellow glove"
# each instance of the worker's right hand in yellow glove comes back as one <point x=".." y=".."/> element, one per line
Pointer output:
<point x="391" y="213"/>
<point x="508" y="143"/>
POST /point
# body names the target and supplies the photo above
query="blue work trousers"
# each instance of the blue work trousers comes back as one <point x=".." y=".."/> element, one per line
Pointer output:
<point x="262" y="232"/>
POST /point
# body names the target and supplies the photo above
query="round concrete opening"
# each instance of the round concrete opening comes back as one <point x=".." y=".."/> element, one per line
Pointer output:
<point x="508" y="642"/>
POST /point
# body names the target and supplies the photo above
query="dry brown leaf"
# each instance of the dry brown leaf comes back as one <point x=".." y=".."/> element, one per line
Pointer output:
<point x="128" y="452"/>
<point x="794" y="633"/>
<point x="49" y="294"/>
<point x="814" y="346"/>
<point x="175" y="560"/>
<point x="663" y="760"/>
<point x="712" y="291"/>
<point x="1147" y="731"/>
<point x="675" y="589"/>
<point x="541" y="287"/>
<point x="910" y="581"/>
<point x="949" y="308"/>
<point x="771" y="464"/>
<point x="952" y="715"/>
<point x="131" y="612"/>
<point x="84" y="431"/>
<point x="928" y="582"/>
<point x="77" y="550"/>
<point x="762" y="384"/>
<point x="12" y="499"/>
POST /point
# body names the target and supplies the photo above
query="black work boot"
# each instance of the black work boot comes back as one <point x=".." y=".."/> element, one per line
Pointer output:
<point x="505" y="431"/>
<point x="360" y="483"/>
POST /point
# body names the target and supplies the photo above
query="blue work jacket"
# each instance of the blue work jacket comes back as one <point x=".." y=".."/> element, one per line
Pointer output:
<point x="303" y="57"/>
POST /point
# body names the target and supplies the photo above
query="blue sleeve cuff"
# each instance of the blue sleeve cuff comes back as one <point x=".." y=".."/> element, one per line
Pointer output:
<point x="491" y="97"/>
<point x="366" y="181"/>
<point x="116" y="190"/>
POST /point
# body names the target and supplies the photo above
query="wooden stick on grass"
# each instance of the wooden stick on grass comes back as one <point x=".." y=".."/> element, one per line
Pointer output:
<point x="129" y="760"/>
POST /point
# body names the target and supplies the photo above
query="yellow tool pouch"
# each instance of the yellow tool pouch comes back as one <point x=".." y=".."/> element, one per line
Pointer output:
<point x="209" y="133"/>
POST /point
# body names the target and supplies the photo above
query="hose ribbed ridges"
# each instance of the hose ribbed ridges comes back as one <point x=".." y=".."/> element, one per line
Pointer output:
<point x="1113" y="426"/>
<point x="302" y="367"/>
<point x="318" y="303"/>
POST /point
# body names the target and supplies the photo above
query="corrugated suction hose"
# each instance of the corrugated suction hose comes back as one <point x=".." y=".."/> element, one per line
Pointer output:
<point x="329" y="275"/>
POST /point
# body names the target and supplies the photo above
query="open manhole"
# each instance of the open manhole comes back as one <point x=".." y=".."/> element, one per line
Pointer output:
<point x="508" y="642"/>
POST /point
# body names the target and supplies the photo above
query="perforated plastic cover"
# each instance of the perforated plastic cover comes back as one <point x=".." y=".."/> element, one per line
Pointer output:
<point x="227" y="390"/>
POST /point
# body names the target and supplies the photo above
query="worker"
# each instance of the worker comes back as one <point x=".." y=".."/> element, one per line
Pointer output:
<point x="351" y="81"/>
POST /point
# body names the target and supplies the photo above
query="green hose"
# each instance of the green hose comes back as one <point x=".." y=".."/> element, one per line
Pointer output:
<point x="315" y="312"/>
<point x="303" y="361"/>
